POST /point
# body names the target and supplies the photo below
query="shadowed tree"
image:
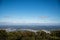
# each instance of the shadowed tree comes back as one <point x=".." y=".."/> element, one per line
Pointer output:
<point x="3" y="35"/>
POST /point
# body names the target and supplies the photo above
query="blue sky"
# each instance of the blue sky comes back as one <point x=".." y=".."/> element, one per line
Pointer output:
<point x="30" y="11"/>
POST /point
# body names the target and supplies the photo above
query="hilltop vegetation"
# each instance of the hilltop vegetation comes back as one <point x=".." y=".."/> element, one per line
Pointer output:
<point x="28" y="35"/>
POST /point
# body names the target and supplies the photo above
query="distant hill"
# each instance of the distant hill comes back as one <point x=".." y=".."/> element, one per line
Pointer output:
<point x="34" y="27"/>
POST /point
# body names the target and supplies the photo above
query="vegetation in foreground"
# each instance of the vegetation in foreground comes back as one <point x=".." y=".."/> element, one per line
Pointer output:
<point x="28" y="35"/>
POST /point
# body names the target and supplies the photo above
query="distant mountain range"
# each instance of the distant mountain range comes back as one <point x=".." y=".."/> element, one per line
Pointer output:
<point x="34" y="27"/>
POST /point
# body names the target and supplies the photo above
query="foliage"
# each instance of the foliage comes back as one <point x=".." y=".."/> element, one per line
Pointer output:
<point x="28" y="35"/>
<point x="3" y="35"/>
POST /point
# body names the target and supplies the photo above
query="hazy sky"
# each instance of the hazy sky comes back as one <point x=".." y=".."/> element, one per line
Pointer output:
<point x="30" y="11"/>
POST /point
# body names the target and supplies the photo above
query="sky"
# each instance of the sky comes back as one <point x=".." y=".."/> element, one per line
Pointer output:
<point x="29" y="11"/>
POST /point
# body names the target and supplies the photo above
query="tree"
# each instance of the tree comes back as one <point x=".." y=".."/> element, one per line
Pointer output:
<point x="3" y="35"/>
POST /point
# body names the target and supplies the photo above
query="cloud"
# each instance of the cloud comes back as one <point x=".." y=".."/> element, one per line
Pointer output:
<point x="43" y="16"/>
<point x="6" y="16"/>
